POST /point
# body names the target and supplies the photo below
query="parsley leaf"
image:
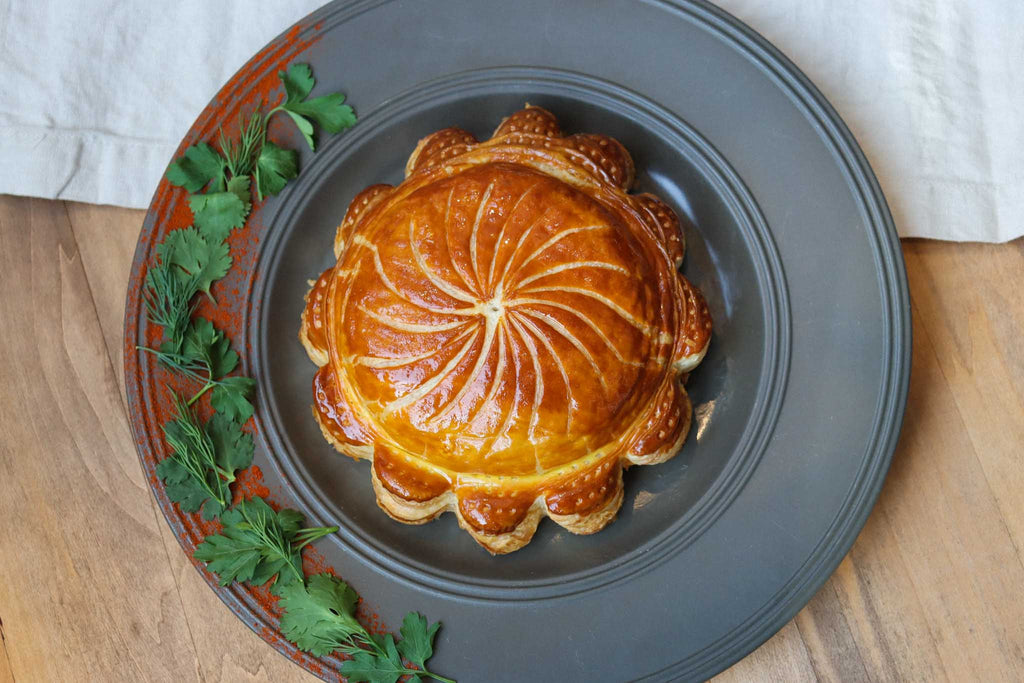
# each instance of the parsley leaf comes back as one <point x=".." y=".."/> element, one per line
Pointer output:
<point x="239" y="186"/>
<point x="417" y="643"/>
<point x="197" y="168"/>
<point x="257" y="543"/>
<point x="195" y="257"/>
<point x="209" y="346"/>
<point x="319" y="617"/>
<point x="304" y="126"/>
<point x="216" y="213"/>
<point x="231" y="554"/>
<point x="298" y="82"/>
<point x="274" y="168"/>
<point x="188" y="492"/>
<point x="233" y="448"/>
<point x="329" y="111"/>
<point x="231" y="396"/>
<point x="204" y="354"/>
<point x="365" y="666"/>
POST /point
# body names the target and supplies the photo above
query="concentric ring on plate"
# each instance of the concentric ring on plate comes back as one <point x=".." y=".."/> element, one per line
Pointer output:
<point x="741" y="381"/>
<point x="768" y="375"/>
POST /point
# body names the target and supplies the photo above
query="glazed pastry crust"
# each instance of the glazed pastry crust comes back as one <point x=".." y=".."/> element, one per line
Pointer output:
<point x="506" y="331"/>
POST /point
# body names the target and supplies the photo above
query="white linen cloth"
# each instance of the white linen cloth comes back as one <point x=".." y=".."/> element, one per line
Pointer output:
<point x="932" y="89"/>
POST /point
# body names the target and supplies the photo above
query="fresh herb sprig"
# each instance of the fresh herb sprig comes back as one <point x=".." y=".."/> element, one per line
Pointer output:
<point x="204" y="461"/>
<point x="190" y="263"/>
<point x="256" y="544"/>
<point x="328" y="111"/>
<point x="320" y="618"/>
<point x="271" y="166"/>
<point x="191" y="259"/>
<point x="204" y="354"/>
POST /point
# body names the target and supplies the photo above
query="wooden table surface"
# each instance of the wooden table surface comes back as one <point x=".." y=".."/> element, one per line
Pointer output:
<point x="93" y="585"/>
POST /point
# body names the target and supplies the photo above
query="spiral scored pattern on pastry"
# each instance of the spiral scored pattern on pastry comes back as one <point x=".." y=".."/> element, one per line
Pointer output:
<point x="505" y="331"/>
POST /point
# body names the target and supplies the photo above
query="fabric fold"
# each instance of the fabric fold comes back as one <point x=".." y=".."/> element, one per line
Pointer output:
<point x="94" y="97"/>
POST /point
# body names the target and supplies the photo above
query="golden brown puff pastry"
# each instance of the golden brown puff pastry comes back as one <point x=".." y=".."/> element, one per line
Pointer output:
<point x="505" y="331"/>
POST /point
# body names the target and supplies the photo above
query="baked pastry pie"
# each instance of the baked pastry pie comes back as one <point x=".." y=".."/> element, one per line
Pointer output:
<point x="505" y="331"/>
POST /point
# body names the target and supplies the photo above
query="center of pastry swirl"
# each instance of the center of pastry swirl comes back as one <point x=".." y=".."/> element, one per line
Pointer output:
<point x="505" y="331"/>
<point x="487" y="312"/>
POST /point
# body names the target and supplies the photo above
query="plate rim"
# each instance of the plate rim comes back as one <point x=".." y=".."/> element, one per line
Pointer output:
<point x="896" y="322"/>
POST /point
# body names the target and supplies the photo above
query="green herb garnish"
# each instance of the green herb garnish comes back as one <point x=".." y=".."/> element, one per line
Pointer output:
<point x="320" y="618"/>
<point x="252" y="154"/>
<point x="194" y="260"/>
<point x="256" y="544"/>
<point x="197" y="168"/>
<point x="169" y="303"/>
<point x="275" y="166"/>
<point x="204" y="461"/>
<point x="204" y="354"/>
<point x="329" y="111"/>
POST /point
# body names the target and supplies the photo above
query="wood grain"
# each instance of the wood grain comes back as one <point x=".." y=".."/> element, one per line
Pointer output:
<point x="96" y="587"/>
<point x="226" y="649"/>
<point x="77" y="600"/>
<point x="6" y="675"/>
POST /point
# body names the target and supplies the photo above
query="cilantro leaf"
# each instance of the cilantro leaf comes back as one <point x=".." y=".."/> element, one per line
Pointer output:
<point x="195" y="257"/>
<point x="230" y="397"/>
<point x="417" y="643"/>
<point x="193" y="171"/>
<point x="274" y="168"/>
<point x="257" y="543"/>
<point x="216" y="213"/>
<point x="319" y="617"/>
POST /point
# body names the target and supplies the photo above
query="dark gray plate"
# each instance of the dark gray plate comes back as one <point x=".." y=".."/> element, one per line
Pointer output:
<point x="797" y="406"/>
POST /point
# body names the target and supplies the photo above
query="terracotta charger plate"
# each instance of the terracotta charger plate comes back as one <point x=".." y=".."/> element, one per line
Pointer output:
<point x="797" y="406"/>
